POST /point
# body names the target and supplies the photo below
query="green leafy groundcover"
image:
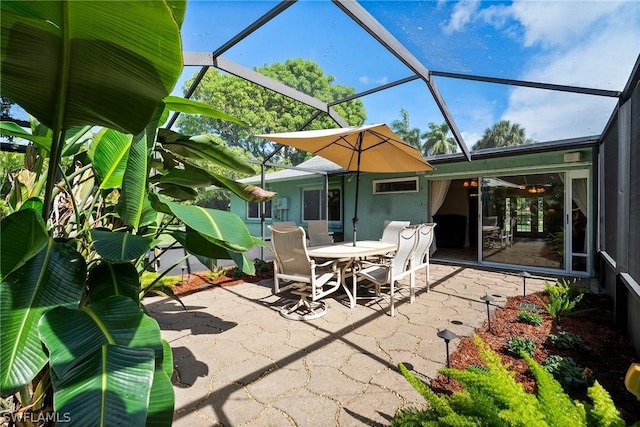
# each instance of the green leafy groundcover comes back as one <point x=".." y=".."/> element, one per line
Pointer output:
<point x="491" y="396"/>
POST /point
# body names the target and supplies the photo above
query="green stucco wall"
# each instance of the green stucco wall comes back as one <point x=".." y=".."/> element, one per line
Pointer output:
<point x="374" y="209"/>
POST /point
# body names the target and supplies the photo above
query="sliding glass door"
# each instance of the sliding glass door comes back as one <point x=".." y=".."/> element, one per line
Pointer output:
<point x="522" y="220"/>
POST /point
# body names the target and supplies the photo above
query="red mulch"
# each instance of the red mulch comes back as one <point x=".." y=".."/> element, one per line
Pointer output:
<point x="203" y="281"/>
<point x="608" y="358"/>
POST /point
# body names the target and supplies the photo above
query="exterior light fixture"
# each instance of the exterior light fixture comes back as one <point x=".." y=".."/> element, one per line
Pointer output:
<point x="524" y="276"/>
<point x="487" y="299"/>
<point x="183" y="268"/>
<point x="470" y="183"/>
<point x="447" y="336"/>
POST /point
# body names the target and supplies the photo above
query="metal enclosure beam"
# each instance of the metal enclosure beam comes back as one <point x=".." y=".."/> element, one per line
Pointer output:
<point x="386" y="39"/>
<point x="525" y="83"/>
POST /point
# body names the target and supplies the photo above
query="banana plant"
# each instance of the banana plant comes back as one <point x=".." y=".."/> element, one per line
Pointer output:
<point x="80" y="296"/>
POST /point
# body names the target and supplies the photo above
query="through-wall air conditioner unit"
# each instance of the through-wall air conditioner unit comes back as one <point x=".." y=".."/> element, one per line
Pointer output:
<point x="282" y="203"/>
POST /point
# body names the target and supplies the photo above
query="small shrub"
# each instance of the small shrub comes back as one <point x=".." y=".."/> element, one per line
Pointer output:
<point x="530" y="318"/>
<point x="492" y="397"/>
<point x="567" y="341"/>
<point x="216" y="272"/>
<point x="566" y="371"/>
<point x="518" y="345"/>
<point x="564" y="295"/>
<point x="262" y="266"/>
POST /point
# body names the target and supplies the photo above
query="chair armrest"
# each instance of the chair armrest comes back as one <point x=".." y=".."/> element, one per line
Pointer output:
<point x="332" y="262"/>
<point x="365" y="264"/>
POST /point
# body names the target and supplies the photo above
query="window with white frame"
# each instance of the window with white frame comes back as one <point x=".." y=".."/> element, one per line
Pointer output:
<point x="396" y="185"/>
<point x="312" y="205"/>
<point x="253" y="210"/>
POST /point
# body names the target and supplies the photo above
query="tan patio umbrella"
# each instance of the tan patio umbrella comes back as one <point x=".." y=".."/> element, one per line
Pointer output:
<point x="369" y="148"/>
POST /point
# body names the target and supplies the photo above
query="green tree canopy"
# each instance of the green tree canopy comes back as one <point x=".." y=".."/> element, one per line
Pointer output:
<point x="438" y="141"/>
<point x="503" y="134"/>
<point x="267" y="111"/>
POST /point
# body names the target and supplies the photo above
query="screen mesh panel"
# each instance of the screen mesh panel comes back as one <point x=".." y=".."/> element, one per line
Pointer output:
<point x="634" y="188"/>
<point x="610" y="208"/>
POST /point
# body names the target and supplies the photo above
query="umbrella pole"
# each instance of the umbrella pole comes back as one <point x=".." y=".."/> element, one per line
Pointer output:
<point x="355" y="214"/>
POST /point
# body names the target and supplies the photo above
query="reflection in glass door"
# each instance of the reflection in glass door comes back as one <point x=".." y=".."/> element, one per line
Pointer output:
<point x="579" y="243"/>
<point x="522" y="220"/>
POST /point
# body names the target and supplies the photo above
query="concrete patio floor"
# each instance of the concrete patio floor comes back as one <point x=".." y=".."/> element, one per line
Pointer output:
<point x="238" y="362"/>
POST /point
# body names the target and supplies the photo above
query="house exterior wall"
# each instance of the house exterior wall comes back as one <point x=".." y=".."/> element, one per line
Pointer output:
<point x="374" y="209"/>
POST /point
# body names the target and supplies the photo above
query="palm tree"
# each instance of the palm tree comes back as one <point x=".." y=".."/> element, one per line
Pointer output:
<point x="404" y="130"/>
<point x="503" y="134"/>
<point x="437" y="140"/>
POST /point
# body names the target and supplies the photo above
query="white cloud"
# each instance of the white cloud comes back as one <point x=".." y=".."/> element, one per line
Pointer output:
<point x="366" y="80"/>
<point x="463" y="13"/>
<point x="557" y="23"/>
<point x="549" y="116"/>
<point x="595" y="48"/>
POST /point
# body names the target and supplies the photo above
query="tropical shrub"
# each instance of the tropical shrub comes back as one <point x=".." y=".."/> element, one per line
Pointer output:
<point x="85" y="211"/>
<point x="564" y="295"/>
<point x="519" y="345"/>
<point x="492" y="397"/>
<point x="530" y="318"/>
<point x="567" y="341"/>
<point x="566" y="371"/>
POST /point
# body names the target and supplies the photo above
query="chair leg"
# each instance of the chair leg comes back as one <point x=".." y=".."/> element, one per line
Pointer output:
<point x="303" y="309"/>
<point x="412" y="287"/>
<point x="391" y="295"/>
<point x="428" y="275"/>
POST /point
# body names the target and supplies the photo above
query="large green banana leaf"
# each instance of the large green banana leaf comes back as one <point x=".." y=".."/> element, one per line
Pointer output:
<point x="189" y="106"/>
<point x="75" y="337"/>
<point x="12" y="129"/>
<point x="107" y="63"/>
<point x="120" y="246"/>
<point x="109" y="153"/>
<point x="107" y="279"/>
<point x="53" y="277"/>
<point x="112" y="387"/>
<point x="208" y="252"/>
<point x="195" y="176"/>
<point x="134" y="207"/>
<point x="203" y="147"/>
<point x="187" y="178"/>
<point x="22" y="235"/>
<point x="177" y="192"/>
<point x="225" y="229"/>
<point x="160" y="412"/>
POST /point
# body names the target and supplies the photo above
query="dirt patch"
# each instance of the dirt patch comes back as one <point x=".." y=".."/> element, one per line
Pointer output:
<point x="607" y="357"/>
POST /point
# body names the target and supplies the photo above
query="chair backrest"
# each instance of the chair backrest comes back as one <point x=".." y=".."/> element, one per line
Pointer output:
<point x="284" y="224"/>
<point x="319" y="232"/>
<point x="425" y="239"/>
<point x="290" y="251"/>
<point x="407" y="239"/>
<point x="490" y="220"/>
<point x="392" y="229"/>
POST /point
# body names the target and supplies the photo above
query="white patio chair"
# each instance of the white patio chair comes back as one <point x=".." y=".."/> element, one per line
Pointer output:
<point x="420" y="260"/>
<point x="391" y="229"/>
<point x="311" y="281"/>
<point x="390" y="271"/>
<point x="284" y="224"/>
<point x="319" y="233"/>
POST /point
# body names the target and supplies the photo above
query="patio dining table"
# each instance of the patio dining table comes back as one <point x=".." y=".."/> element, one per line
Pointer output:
<point x="349" y="252"/>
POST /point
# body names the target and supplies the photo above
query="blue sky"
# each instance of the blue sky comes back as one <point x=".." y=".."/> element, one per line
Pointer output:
<point x="579" y="43"/>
